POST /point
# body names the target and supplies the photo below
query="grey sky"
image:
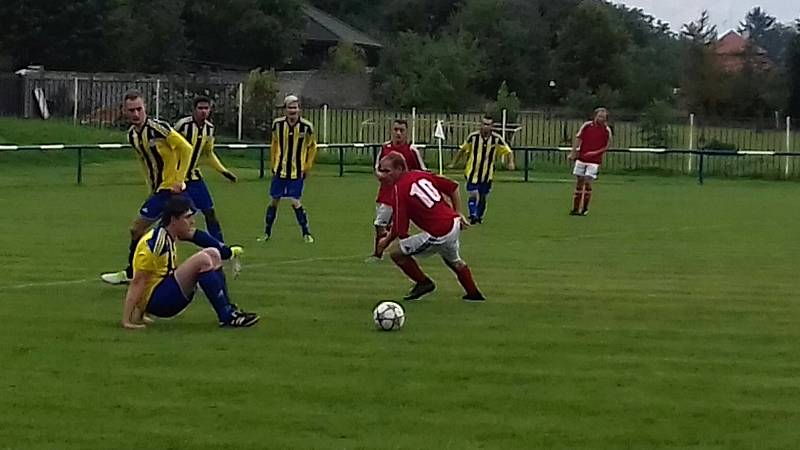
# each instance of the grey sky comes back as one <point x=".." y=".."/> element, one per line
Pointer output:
<point x="726" y="14"/>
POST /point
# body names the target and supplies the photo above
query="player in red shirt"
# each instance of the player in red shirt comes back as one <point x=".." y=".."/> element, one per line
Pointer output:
<point x="385" y="200"/>
<point x="431" y="202"/>
<point x="591" y="143"/>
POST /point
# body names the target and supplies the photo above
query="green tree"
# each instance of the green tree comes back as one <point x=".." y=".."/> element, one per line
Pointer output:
<point x="77" y="35"/>
<point x="513" y="38"/>
<point x="703" y="85"/>
<point x="346" y="58"/>
<point x="655" y="123"/>
<point x="793" y="74"/>
<point x="154" y="36"/>
<point x="260" y="89"/>
<point x="262" y="33"/>
<point x="428" y="73"/>
<point x="591" y="43"/>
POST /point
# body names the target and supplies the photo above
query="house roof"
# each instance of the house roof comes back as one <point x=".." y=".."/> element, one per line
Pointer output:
<point x="321" y="26"/>
<point x="731" y="50"/>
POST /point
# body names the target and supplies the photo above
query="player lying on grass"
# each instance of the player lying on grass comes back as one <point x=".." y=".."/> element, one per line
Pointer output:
<point x="431" y="202"/>
<point x="160" y="288"/>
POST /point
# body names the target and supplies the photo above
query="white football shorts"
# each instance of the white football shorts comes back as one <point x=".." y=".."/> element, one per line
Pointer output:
<point x="423" y="244"/>
<point x="584" y="169"/>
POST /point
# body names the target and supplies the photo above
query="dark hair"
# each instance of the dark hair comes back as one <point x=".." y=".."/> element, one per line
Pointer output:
<point x="401" y="122"/>
<point x="176" y="206"/>
<point x="132" y="94"/>
<point x="201" y="99"/>
<point x="488" y="117"/>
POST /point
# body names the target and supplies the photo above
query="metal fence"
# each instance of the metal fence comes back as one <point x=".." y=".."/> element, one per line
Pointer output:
<point x="530" y="160"/>
<point x="96" y="101"/>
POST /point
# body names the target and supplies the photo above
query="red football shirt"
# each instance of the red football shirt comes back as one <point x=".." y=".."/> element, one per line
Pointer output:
<point x="419" y="198"/>
<point x="413" y="161"/>
<point x="594" y="142"/>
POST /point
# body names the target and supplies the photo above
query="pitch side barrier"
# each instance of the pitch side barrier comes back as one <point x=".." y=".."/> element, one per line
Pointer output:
<point x="701" y="156"/>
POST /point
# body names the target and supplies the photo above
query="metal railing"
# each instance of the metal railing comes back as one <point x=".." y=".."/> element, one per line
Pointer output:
<point x="698" y="163"/>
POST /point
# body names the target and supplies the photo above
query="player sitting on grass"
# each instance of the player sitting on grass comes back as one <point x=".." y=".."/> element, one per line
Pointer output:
<point x="161" y="289"/>
<point x="431" y="202"/>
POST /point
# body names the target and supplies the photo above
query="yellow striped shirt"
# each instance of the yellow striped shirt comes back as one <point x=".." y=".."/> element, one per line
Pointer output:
<point x="293" y="149"/>
<point x="201" y="138"/>
<point x="162" y="152"/>
<point x="481" y="155"/>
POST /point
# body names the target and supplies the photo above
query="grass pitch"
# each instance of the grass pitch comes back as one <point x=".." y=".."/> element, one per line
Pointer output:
<point x="665" y="319"/>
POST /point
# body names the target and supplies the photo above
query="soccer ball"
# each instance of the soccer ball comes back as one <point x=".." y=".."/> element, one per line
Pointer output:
<point x="389" y="316"/>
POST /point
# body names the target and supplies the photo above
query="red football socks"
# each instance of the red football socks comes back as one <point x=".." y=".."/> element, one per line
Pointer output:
<point x="410" y="267"/>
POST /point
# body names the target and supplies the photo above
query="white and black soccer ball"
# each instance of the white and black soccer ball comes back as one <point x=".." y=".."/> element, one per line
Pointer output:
<point x="389" y="316"/>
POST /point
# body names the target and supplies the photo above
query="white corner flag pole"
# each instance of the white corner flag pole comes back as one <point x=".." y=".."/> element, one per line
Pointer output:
<point x="438" y="133"/>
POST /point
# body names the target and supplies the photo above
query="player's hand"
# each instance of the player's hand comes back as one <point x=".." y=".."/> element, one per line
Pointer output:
<point x="179" y="187"/>
<point x="571" y="157"/>
<point x="230" y="176"/>
<point x="132" y="326"/>
<point x="464" y="222"/>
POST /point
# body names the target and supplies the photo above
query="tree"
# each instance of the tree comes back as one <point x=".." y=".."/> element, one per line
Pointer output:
<point x="590" y="47"/>
<point x="260" y="90"/>
<point x="793" y="69"/>
<point x="428" y="73"/>
<point x="346" y="58"/>
<point x="756" y="24"/>
<point x="702" y="76"/>
<point x="262" y="33"/>
<point x="512" y="37"/>
<point x="78" y="35"/>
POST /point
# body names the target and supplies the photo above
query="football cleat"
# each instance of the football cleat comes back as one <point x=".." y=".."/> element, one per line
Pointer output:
<point x="372" y="259"/>
<point x="307" y="238"/>
<point x="115" y="277"/>
<point x="476" y="297"/>
<point x="420" y="289"/>
<point x="240" y="319"/>
<point x="264" y="238"/>
<point x="574" y="212"/>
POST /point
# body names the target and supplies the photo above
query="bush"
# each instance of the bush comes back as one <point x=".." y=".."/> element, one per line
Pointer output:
<point x="655" y="124"/>
<point x="715" y="144"/>
<point x="346" y="58"/>
<point x="505" y="100"/>
<point x="260" y="90"/>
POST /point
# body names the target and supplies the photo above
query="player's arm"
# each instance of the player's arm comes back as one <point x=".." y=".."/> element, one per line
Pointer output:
<point x="576" y="143"/>
<point x="505" y="151"/>
<point x="311" y="150"/>
<point x="131" y="314"/>
<point x="463" y="150"/>
<point x="274" y="147"/>
<point x="183" y="150"/>
<point x="213" y="160"/>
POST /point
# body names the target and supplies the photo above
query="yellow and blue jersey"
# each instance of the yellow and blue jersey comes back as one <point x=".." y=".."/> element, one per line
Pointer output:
<point x="201" y="138"/>
<point x="163" y="153"/>
<point x="155" y="254"/>
<point x="481" y="154"/>
<point x="293" y="149"/>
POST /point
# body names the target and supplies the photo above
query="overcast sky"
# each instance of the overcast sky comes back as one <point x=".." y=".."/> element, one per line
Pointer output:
<point x="726" y="14"/>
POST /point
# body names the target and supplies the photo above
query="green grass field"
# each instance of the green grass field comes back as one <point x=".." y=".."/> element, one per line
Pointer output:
<point x="665" y="319"/>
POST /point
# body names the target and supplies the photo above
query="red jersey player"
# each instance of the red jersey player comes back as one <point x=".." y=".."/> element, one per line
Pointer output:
<point x="591" y="143"/>
<point x="431" y="202"/>
<point x="385" y="200"/>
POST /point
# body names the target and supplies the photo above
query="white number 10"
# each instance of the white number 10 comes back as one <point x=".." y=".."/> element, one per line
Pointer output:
<point x="425" y="191"/>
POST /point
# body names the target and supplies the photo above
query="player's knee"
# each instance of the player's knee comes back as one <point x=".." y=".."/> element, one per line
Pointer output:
<point x="211" y="257"/>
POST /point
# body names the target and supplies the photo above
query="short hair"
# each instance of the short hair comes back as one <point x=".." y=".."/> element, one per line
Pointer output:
<point x="201" y="99"/>
<point x="175" y="206"/>
<point x="487" y="117"/>
<point x="403" y="122"/>
<point x="133" y="94"/>
<point x="291" y="98"/>
<point x="396" y="161"/>
<point x="600" y="109"/>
